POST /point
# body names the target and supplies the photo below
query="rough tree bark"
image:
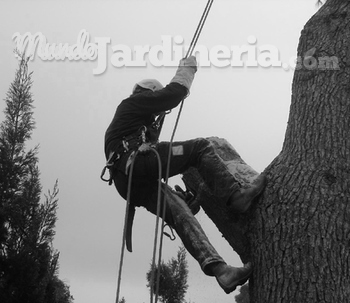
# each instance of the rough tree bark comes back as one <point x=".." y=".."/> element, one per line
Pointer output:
<point x="298" y="233"/>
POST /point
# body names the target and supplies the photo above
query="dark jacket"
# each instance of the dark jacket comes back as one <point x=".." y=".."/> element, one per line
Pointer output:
<point x="140" y="110"/>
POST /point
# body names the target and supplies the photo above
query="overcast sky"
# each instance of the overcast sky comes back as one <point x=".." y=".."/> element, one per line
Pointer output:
<point x="74" y="103"/>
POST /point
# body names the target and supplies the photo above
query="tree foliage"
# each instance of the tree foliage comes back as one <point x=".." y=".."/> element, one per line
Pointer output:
<point x="243" y="296"/>
<point x="28" y="261"/>
<point x="122" y="300"/>
<point x="172" y="279"/>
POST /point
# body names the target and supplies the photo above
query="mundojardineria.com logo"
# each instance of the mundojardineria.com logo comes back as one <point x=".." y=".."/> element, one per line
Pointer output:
<point x="168" y="53"/>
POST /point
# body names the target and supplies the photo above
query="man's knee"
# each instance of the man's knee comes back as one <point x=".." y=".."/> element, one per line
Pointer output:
<point x="175" y="207"/>
<point x="201" y="142"/>
<point x="196" y="147"/>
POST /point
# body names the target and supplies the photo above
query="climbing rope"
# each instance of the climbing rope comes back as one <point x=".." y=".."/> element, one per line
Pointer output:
<point x="128" y="202"/>
<point x="124" y="230"/>
<point x="159" y="196"/>
<point x="199" y="28"/>
<point x="189" y="53"/>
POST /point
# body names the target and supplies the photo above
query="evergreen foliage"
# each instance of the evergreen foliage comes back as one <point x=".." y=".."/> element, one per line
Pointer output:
<point x="173" y="279"/>
<point x="243" y="296"/>
<point x="28" y="261"/>
<point x="122" y="300"/>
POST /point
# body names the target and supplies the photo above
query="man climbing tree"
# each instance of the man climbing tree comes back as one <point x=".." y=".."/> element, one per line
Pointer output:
<point x="28" y="262"/>
<point x="298" y="233"/>
<point x="133" y="136"/>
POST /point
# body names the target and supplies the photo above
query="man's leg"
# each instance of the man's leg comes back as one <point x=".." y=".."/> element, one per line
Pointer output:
<point x="200" y="153"/>
<point x="179" y="216"/>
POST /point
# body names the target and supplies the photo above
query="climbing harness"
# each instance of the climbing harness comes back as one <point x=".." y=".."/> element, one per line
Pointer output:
<point x="147" y="147"/>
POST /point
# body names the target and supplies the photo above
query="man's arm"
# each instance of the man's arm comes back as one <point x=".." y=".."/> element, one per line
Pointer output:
<point x="171" y="95"/>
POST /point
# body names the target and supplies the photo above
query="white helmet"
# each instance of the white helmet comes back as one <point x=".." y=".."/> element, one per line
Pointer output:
<point x="151" y="84"/>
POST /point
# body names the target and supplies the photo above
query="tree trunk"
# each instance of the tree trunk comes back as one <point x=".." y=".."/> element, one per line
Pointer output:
<point x="298" y="233"/>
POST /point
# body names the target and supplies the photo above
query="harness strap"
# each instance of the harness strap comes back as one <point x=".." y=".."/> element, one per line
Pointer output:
<point x="131" y="142"/>
<point x="129" y="224"/>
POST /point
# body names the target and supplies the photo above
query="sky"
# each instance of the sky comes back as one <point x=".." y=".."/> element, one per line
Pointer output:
<point x="242" y="98"/>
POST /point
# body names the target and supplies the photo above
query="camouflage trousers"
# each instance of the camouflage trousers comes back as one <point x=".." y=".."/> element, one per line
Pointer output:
<point x="198" y="153"/>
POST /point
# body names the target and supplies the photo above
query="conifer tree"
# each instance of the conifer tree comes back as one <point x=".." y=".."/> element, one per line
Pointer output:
<point x="173" y="278"/>
<point x="243" y="296"/>
<point x="28" y="261"/>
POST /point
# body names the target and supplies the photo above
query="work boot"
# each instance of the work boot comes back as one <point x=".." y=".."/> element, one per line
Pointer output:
<point x="241" y="200"/>
<point x="230" y="277"/>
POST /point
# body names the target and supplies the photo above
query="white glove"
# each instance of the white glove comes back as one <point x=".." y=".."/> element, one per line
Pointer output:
<point x="185" y="72"/>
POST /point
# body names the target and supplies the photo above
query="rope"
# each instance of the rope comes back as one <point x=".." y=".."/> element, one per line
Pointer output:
<point x="126" y="219"/>
<point x="157" y="224"/>
<point x="124" y="230"/>
<point x="189" y="53"/>
<point x="199" y="28"/>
